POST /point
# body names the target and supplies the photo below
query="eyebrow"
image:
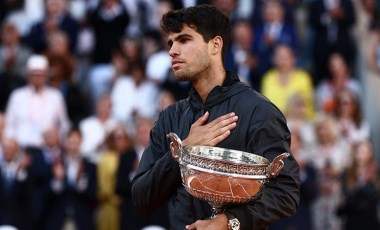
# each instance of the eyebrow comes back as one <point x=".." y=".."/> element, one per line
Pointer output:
<point x="178" y="37"/>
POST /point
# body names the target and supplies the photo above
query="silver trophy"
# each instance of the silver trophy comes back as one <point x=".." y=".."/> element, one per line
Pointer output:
<point x="223" y="176"/>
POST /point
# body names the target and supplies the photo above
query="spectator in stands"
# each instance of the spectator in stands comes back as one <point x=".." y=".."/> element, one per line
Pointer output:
<point x="331" y="22"/>
<point x="285" y="80"/>
<point x="58" y="44"/>
<point x="109" y="201"/>
<point x="289" y="9"/>
<point x="132" y="49"/>
<point x="239" y="56"/>
<point x="96" y="128"/>
<point x="340" y="79"/>
<point x="109" y="21"/>
<point x="61" y="66"/>
<point x="273" y="31"/>
<point x="125" y="91"/>
<point x="352" y="124"/>
<point x="330" y="156"/>
<point x="130" y="218"/>
<point x="73" y="188"/>
<point x="361" y="190"/>
<point x="56" y="18"/>
<point x="13" y="57"/>
<point x="102" y="77"/>
<point x="297" y="120"/>
<point x="15" y="190"/>
<point x="302" y="219"/>
<point x="35" y="107"/>
<point x="14" y="54"/>
<point x="40" y="172"/>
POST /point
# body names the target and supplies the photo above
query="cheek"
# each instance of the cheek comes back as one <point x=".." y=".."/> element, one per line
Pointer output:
<point x="200" y="58"/>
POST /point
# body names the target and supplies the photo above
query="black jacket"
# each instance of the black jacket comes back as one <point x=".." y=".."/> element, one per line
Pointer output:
<point x="261" y="129"/>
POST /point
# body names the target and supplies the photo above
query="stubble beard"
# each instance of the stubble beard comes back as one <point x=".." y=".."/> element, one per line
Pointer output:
<point x="191" y="73"/>
<point x="182" y="75"/>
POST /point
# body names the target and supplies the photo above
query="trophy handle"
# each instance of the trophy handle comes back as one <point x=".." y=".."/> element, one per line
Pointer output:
<point x="175" y="145"/>
<point x="277" y="164"/>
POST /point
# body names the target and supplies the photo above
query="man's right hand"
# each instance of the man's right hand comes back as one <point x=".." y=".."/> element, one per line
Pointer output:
<point x="212" y="133"/>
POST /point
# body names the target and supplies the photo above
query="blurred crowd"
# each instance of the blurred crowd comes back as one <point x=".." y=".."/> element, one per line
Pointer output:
<point x="82" y="82"/>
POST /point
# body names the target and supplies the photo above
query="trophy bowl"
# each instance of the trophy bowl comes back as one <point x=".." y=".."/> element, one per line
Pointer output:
<point x="223" y="176"/>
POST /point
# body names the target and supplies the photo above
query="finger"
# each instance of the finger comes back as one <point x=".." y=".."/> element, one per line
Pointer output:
<point x="223" y="130"/>
<point x="220" y="131"/>
<point x="223" y="120"/>
<point x="202" y="120"/>
<point x="220" y="138"/>
<point x="224" y="125"/>
<point x="191" y="227"/>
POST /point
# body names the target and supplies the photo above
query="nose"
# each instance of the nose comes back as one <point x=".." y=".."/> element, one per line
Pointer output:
<point x="173" y="51"/>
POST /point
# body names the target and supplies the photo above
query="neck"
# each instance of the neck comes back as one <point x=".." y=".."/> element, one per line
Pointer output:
<point x="206" y="81"/>
<point x="11" y="45"/>
<point x="38" y="89"/>
<point x="8" y="161"/>
<point x="103" y="117"/>
<point x="284" y="75"/>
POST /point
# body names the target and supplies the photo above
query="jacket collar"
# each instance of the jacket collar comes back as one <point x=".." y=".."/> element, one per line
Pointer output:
<point x="231" y="86"/>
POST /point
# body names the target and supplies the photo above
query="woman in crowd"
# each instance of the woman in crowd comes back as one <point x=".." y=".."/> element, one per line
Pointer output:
<point x="296" y="116"/>
<point x="340" y="78"/>
<point x="118" y="142"/>
<point x="285" y="79"/>
<point x="361" y="189"/>
<point x="352" y="124"/>
<point x="330" y="156"/>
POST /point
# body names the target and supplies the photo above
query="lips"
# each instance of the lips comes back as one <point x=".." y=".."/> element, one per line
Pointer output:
<point x="176" y="63"/>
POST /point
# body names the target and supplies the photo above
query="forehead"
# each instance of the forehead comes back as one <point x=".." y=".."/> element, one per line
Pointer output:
<point x="186" y="30"/>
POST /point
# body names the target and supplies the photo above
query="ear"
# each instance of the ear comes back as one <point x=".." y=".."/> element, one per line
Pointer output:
<point x="216" y="45"/>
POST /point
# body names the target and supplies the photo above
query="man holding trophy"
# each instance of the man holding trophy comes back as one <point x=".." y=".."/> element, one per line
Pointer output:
<point x="220" y="112"/>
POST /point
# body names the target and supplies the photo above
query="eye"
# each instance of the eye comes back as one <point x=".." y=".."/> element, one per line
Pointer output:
<point x="184" y="40"/>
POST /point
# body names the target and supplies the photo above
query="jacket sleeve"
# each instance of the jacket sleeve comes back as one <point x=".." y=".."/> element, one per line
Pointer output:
<point x="280" y="195"/>
<point x="158" y="175"/>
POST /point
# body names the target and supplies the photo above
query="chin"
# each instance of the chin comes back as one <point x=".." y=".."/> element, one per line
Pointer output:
<point x="182" y="76"/>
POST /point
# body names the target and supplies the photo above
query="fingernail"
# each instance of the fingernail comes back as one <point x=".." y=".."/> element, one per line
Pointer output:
<point x="232" y="114"/>
<point x="235" y="118"/>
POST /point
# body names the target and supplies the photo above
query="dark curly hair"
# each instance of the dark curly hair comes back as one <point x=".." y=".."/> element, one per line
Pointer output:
<point x="207" y="20"/>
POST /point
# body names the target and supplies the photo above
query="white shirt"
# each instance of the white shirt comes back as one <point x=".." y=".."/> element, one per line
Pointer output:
<point x="158" y="65"/>
<point x="338" y="155"/>
<point x="94" y="133"/>
<point x="72" y="167"/>
<point x="128" y="98"/>
<point x="10" y="171"/>
<point x="29" y="114"/>
<point x="353" y="134"/>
